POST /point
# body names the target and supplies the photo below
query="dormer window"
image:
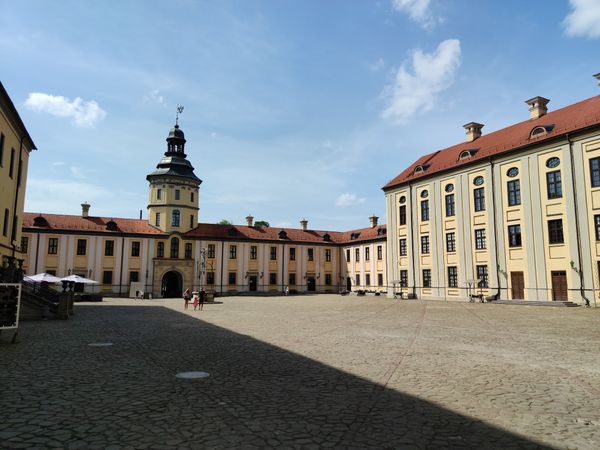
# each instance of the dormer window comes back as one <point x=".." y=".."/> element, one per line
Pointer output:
<point x="420" y="168"/>
<point x="380" y="231"/>
<point x="540" y="131"/>
<point x="282" y="234"/>
<point x="466" y="154"/>
<point x="354" y="236"/>
<point x="326" y="237"/>
<point x="40" y="221"/>
<point x="111" y="225"/>
<point x="232" y="232"/>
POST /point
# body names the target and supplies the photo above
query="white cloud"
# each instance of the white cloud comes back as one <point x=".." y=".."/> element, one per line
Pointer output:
<point x="349" y="200"/>
<point x="84" y="114"/>
<point x="417" y="10"/>
<point x="584" y="19"/>
<point x="155" y="97"/>
<point x="416" y="92"/>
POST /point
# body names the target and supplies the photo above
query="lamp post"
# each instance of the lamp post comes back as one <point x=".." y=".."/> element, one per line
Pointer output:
<point x="202" y="265"/>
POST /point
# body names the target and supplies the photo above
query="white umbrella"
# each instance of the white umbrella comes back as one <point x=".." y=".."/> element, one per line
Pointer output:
<point x="78" y="279"/>
<point x="42" y="278"/>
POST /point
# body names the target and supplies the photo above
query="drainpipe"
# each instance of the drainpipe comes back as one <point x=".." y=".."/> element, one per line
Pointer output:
<point x="412" y="242"/>
<point x="498" y="293"/>
<point x="121" y="269"/>
<point x="577" y="229"/>
<point x="13" y="236"/>
<point x="222" y="254"/>
<point x="37" y="253"/>
<point x="283" y="267"/>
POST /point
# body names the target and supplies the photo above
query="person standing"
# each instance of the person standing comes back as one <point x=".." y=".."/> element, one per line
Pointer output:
<point x="196" y="301"/>
<point x="202" y="298"/>
<point x="186" y="298"/>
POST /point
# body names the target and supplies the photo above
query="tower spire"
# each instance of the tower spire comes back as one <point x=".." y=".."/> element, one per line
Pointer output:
<point x="179" y="111"/>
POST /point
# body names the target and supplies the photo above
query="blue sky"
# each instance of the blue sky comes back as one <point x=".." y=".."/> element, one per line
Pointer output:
<point x="292" y="108"/>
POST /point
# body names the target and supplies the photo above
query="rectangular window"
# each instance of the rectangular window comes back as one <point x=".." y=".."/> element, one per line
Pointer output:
<point x="368" y="279"/>
<point x="160" y="250"/>
<point x="480" y="243"/>
<point x="177" y="194"/>
<point x="404" y="278"/>
<point x="482" y="276"/>
<point x="109" y="248"/>
<point x="135" y="248"/>
<point x="596" y="226"/>
<point x="554" y="184"/>
<point x="424" y="210"/>
<point x="210" y="278"/>
<point x="379" y="252"/>
<point x="134" y="276"/>
<point x="5" y="226"/>
<point x="191" y="197"/>
<point x="232" y="278"/>
<point x="157" y="221"/>
<point x="52" y="246"/>
<point x="347" y="255"/>
<point x="328" y="279"/>
<point x="232" y="251"/>
<point x="514" y="192"/>
<point x="311" y="254"/>
<point x="188" y="250"/>
<point x="555" y="231"/>
<point x="253" y="252"/>
<point x="426" y="278"/>
<point x="357" y="279"/>
<point x="1" y="150"/>
<point x="273" y="278"/>
<point x="402" y="215"/>
<point x="450" y="206"/>
<point x="210" y="253"/>
<point x="273" y="253"/>
<point x="452" y="277"/>
<point x="450" y="242"/>
<point x="402" y="246"/>
<point x="175" y="218"/>
<point x="81" y="247"/>
<point x="292" y="254"/>
<point x="367" y="256"/>
<point x="514" y="235"/>
<point x="292" y="278"/>
<point x="425" y="245"/>
<point x="24" y="244"/>
<point x="327" y="255"/>
<point x="11" y="168"/>
<point x="107" y="277"/>
<point x="479" y="199"/>
<point x="191" y="221"/>
<point x="379" y="279"/>
<point x="595" y="172"/>
<point x="357" y="255"/>
<point x="158" y="194"/>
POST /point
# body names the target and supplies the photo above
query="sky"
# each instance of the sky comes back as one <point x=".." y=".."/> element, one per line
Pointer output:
<point x="292" y="109"/>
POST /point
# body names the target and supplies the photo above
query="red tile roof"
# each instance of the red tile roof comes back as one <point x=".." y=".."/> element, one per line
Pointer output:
<point x="62" y="222"/>
<point x="565" y="120"/>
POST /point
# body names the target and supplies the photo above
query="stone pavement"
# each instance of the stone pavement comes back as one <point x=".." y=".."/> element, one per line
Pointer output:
<point x="305" y="372"/>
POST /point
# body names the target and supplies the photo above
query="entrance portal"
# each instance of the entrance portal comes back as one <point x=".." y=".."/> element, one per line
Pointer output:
<point x="252" y="282"/>
<point x="348" y="284"/>
<point x="311" y="285"/>
<point x="172" y="285"/>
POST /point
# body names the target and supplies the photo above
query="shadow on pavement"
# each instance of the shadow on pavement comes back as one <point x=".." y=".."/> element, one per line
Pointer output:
<point x="64" y="393"/>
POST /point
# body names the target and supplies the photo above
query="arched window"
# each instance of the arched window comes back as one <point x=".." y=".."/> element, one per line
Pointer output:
<point x="176" y="218"/>
<point x="160" y="250"/>
<point x="174" y="248"/>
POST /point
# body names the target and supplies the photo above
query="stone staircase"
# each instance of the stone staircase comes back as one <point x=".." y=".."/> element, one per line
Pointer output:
<point x="561" y="304"/>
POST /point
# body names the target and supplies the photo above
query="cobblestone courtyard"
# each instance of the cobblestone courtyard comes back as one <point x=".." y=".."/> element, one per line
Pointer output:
<point x="305" y="372"/>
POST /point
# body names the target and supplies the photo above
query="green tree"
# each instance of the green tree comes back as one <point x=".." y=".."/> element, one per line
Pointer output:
<point x="225" y="222"/>
<point x="261" y="223"/>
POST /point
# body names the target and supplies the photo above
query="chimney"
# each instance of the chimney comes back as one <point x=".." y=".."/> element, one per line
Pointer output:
<point x="537" y="107"/>
<point x="304" y="224"/>
<point x="85" y="209"/>
<point x="473" y="130"/>
<point x="597" y="77"/>
<point x="249" y="220"/>
<point x="373" y="220"/>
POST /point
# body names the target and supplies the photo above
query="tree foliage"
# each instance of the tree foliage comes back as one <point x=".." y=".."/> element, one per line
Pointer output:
<point x="225" y="222"/>
<point x="261" y="223"/>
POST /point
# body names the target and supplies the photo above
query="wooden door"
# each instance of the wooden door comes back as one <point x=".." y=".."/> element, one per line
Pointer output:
<point x="252" y="283"/>
<point x="559" y="285"/>
<point x="517" y="285"/>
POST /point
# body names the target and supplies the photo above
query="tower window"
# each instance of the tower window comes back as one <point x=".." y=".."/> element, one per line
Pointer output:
<point x="12" y="162"/>
<point x="158" y="194"/>
<point x="192" y="197"/>
<point x="177" y="194"/>
<point x="191" y="221"/>
<point x="175" y="218"/>
<point x="174" y="248"/>
<point x="158" y="219"/>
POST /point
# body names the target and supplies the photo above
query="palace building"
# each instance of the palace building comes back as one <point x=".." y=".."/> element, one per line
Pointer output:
<point x="513" y="214"/>
<point x="171" y="251"/>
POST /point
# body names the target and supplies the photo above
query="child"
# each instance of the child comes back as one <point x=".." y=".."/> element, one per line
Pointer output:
<point x="196" y="301"/>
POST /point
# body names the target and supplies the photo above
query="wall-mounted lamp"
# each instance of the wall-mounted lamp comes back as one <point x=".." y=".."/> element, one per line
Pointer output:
<point x="69" y="271"/>
<point x="262" y="274"/>
<point x="89" y="273"/>
<point x="246" y="276"/>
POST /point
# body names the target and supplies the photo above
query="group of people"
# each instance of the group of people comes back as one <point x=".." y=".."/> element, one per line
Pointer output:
<point x="197" y="298"/>
<point x="139" y="295"/>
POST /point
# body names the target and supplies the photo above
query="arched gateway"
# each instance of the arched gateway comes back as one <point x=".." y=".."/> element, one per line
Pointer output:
<point x="171" y="285"/>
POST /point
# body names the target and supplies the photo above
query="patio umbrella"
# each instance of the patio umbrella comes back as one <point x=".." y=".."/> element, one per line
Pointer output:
<point x="42" y="278"/>
<point x="78" y="279"/>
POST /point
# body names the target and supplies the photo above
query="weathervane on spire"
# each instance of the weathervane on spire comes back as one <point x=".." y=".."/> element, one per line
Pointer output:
<point x="179" y="111"/>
